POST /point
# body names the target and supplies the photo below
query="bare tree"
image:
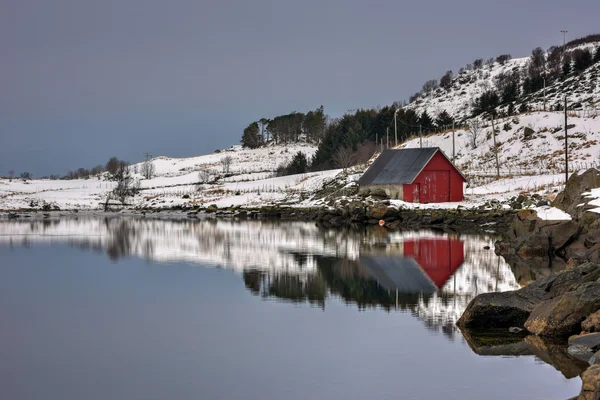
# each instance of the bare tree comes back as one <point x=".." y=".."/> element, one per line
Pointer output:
<point x="430" y="86"/>
<point x="364" y="152"/>
<point x="147" y="169"/>
<point x="474" y="132"/>
<point x="25" y="175"/>
<point x="344" y="157"/>
<point x="226" y="164"/>
<point x="204" y="175"/>
<point x="126" y="187"/>
<point x="97" y="170"/>
<point x="11" y="175"/>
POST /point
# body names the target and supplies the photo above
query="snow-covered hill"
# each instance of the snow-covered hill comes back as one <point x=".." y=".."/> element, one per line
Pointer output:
<point x="458" y="99"/>
<point x="250" y="180"/>
<point x="530" y="148"/>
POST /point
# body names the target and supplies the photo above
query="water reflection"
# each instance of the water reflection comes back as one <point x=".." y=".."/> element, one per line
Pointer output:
<point x="431" y="275"/>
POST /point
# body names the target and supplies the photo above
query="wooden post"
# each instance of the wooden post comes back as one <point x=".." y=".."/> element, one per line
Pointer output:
<point x="566" y="145"/>
<point x="453" y="148"/>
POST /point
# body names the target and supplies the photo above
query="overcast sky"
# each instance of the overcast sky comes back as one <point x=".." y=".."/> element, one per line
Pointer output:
<point x="82" y="80"/>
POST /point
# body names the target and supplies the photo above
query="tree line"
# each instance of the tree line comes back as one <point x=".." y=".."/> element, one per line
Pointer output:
<point x="355" y="137"/>
<point x="289" y="128"/>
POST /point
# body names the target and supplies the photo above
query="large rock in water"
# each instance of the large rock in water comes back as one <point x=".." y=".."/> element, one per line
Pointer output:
<point x="569" y="199"/>
<point x="562" y="315"/>
<point x="590" y="389"/>
<point x="500" y="310"/>
<point x="575" y="289"/>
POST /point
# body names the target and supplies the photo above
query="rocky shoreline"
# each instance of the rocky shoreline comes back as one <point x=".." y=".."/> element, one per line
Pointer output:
<point x="563" y="306"/>
<point x="355" y="214"/>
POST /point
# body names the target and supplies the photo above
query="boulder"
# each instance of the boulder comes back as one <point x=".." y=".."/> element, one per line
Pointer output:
<point x="500" y="310"/>
<point x="592" y="323"/>
<point x="590" y="388"/>
<point x="591" y="341"/>
<point x="592" y="239"/>
<point x="536" y="245"/>
<point x="356" y="210"/>
<point x="595" y="359"/>
<point x="377" y="211"/>
<point x="571" y="197"/>
<point x="560" y="283"/>
<point x="561" y="233"/>
<point x="580" y="352"/>
<point x="562" y="315"/>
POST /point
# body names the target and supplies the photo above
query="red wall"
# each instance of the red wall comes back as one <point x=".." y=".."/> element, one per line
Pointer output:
<point x="434" y="176"/>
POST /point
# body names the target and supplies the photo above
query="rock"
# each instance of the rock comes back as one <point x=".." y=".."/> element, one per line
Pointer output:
<point x="580" y="352"/>
<point x="571" y="197"/>
<point x="528" y="133"/>
<point x="558" y="284"/>
<point x="185" y="196"/>
<point x="590" y="340"/>
<point x="486" y="247"/>
<point x="562" y="315"/>
<point x="592" y="323"/>
<point x="590" y="383"/>
<point x="535" y="245"/>
<point x="592" y="239"/>
<point x="595" y="359"/>
<point x="561" y="234"/>
<point x="514" y="329"/>
<point x="439" y="219"/>
<point x="356" y="210"/>
<point x="377" y="211"/>
<point x="500" y="310"/>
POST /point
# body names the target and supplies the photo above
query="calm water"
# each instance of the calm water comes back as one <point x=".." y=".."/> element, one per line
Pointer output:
<point x="138" y="309"/>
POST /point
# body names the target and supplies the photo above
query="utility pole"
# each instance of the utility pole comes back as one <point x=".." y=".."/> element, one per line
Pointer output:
<point x="564" y="32"/>
<point x="495" y="148"/>
<point x="544" y="89"/>
<point x="388" y="137"/>
<point x="453" y="148"/>
<point x="420" y="136"/>
<point x="566" y="145"/>
<point x="147" y="155"/>
<point x="396" y="126"/>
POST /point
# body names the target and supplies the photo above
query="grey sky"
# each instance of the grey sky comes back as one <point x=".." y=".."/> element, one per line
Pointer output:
<point x="82" y="80"/>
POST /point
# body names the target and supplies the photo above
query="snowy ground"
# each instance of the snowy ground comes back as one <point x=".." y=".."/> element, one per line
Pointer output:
<point x="531" y="163"/>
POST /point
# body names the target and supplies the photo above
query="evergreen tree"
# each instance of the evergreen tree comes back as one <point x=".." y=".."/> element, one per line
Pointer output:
<point x="444" y="119"/>
<point x="582" y="58"/>
<point x="426" y="122"/>
<point x="511" y="108"/>
<point x="597" y="55"/>
<point x="487" y="102"/>
<point x="251" y="136"/>
<point x="566" y="68"/>
<point x="299" y="164"/>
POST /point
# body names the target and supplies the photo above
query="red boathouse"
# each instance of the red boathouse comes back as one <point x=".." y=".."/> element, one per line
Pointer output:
<point x="421" y="175"/>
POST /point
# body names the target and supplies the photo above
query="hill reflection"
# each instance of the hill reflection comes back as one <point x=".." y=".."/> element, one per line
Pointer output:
<point x="433" y="276"/>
